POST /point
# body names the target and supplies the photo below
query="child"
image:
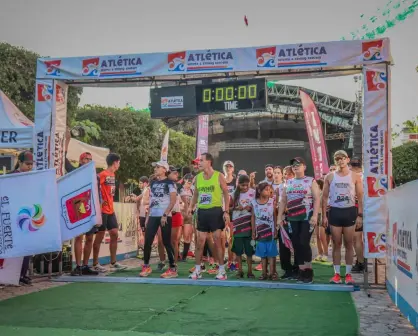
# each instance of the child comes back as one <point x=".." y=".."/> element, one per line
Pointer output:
<point x="241" y="224"/>
<point x="263" y="222"/>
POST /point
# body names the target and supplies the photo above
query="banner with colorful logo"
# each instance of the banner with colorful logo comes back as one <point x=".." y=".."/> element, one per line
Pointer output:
<point x="377" y="143"/>
<point x="277" y="58"/>
<point x="164" y="147"/>
<point x="10" y="269"/>
<point x="316" y="137"/>
<point x="29" y="219"/>
<point x="202" y="139"/>
<point x="79" y="204"/>
<point x="402" y="250"/>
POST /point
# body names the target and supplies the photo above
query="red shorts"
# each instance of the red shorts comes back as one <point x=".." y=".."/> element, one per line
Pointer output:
<point x="177" y="220"/>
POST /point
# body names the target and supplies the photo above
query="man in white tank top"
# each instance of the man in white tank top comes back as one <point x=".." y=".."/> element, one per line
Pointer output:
<point x="340" y="191"/>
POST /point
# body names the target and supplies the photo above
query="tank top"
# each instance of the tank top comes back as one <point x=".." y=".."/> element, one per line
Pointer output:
<point x="277" y="188"/>
<point x="299" y="198"/>
<point x="210" y="192"/>
<point x="241" y="219"/>
<point x="232" y="185"/>
<point x="264" y="220"/>
<point x="342" y="192"/>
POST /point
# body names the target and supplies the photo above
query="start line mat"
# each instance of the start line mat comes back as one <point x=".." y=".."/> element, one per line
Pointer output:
<point x="87" y="309"/>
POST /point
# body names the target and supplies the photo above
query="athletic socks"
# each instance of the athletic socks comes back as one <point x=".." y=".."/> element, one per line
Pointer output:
<point x="337" y="269"/>
<point x="186" y="247"/>
<point x="197" y="268"/>
<point x="222" y="268"/>
<point x="348" y="269"/>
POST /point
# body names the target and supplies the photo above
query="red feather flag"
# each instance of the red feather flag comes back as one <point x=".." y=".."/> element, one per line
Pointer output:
<point x="246" y="20"/>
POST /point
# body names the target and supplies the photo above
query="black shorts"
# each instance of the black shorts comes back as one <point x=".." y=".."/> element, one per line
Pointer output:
<point x="342" y="217"/>
<point x="210" y="220"/>
<point x="242" y="245"/>
<point x="142" y="223"/>
<point x="109" y="222"/>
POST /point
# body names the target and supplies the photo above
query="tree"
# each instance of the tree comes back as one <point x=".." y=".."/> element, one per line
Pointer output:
<point x="17" y="79"/>
<point x="405" y="162"/>
<point x="136" y="138"/>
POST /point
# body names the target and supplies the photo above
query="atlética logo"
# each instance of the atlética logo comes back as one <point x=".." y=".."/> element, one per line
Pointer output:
<point x="376" y="187"/>
<point x="376" y="80"/>
<point x="52" y="67"/>
<point x="372" y="50"/>
<point x="79" y="207"/>
<point x="44" y="92"/>
<point x="177" y="61"/>
<point x="30" y="219"/>
<point x="266" y="57"/>
<point x="376" y="242"/>
<point x="91" y="67"/>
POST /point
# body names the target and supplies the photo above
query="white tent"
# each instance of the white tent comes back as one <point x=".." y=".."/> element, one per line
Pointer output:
<point x="16" y="130"/>
<point x="76" y="148"/>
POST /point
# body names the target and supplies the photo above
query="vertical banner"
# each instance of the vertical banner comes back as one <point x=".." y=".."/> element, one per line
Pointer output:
<point x="376" y="158"/>
<point x="164" y="147"/>
<point x="202" y="135"/>
<point x="59" y="125"/>
<point x="43" y="121"/>
<point x="315" y="136"/>
<point x="10" y="271"/>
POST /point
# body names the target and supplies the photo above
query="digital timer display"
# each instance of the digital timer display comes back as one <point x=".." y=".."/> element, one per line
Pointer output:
<point x="236" y="96"/>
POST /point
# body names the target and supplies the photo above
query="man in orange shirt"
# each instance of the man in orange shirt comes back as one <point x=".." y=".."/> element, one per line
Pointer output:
<point x="110" y="223"/>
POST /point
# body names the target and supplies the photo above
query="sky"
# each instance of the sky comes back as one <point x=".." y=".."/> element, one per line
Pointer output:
<point x="62" y="28"/>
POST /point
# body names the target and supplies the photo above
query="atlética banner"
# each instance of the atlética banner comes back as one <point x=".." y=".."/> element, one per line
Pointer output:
<point x="315" y="136"/>
<point x="79" y="204"/>
<point x="29" y="220"/>
<point x="164" y="147"/>
<point x="377" y="170"/>
<point x="202" y="135"/>
<point x="10" y="269"/>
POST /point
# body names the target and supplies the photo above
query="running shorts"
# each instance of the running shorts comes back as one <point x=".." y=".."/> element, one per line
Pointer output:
<point x="109" y="222"/>
<point x="177" y="220"/>
<point x="242" y="245"/>
<point x="210" y="220"/>
<point x="342" y="217"/>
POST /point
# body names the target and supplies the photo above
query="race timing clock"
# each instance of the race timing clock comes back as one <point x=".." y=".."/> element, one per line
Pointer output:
<point x="233" y="96"/>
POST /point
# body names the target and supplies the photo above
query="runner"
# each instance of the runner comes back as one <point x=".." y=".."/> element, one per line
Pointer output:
<point x="163" y="197"/>
<point x="143" y="201"/>
<point x="263" y="223"/>
<point x="357" y="167"/>
<point x="321" y="237"/>
<point x="231" y="182"/>
<point x="301" y="197"/>
<point x="241" y="224"/>
<point x="340" y="190"/>
<point x="210" y="188"/>
<point x="110" y="223"/>
<point x="177" y="217"/>
<point x="187" y="194"/>
<point x="277" y="182"/>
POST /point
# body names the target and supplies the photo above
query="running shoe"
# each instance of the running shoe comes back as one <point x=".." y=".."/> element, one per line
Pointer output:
<point x="202" y="269"/>
<point x="25" y="280"/>
<point x="221" y="275"/>
<point x="301" y="276"/>
<point x="349" y="279"/>
<point x="233" y="267"/>
<point x="324" y="258"/>
<point x="318" y="258"/>
<point x="76" y="271"/>
<point x="170" y="273"/>
<point x="336" y="279"/>
<point x="86" y="270"/>
<point x="117" y="267"/>
<point x="161" y="266"/>
<point x="99" y="268"/>
<point x="214" y="269"/>
<point x="190" y="254"/>
<point x="358" y="267"/>
<point x="146" y="270"/>
<point x="288" y="275"/>
<point x="195" y="275"/>
<point x="259" y="267"/>
<point x="308" y="277"/>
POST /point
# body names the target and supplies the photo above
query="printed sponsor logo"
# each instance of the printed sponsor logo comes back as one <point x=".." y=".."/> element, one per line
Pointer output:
<point x="90" y="67"/>
<point x="266" y="57"/>
<point x="376" y="242"/>
<point x="372" y="50"/>
<point x="210" y="60"/>
<point x="78" y="207"/>
<point x="376" y="80"/>
<point x="377" y="187"/>
<point x="44" y="92"/>
<point x="177" y="61"/>
<point x="111" y="66"/>
<point x="174" y="102"/>
<point x="52" y="67"/>
<point x="301" y="56"/>
<point x="377" y="151"/>
<point x="30" y="219"/>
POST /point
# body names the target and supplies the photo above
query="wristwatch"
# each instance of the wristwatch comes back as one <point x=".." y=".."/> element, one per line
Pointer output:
<point x="360" y="215"/>
<point x="165" y="215"/>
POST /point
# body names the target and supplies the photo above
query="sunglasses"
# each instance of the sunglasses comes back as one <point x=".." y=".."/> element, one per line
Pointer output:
<point x="296" y="164"/>
<point x="338" y="158"/>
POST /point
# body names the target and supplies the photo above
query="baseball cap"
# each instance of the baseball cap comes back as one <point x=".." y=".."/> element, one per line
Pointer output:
<point x="161" y="164"/>
<point x="297" y="159"/>
<point x="25" y="156"/>
<point x="356" y="162"/>
<point x="340" y="153"/>
<point x="195" y="161"/>
<point x="84" y="155"/>
<point x="173" y="169"/>
<point x="228" y="163"/>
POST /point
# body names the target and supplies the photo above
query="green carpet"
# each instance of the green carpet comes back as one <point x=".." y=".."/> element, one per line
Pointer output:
<point x="86" y="309"/>
<point x="323" y="272"/>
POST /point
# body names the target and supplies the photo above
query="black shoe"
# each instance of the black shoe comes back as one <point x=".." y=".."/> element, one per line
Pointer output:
<point x="161" y="266"/>
<point x="77" y="271"/>
<point x="308" y="278"/>
<point x="301" y="276"/>
<point x="26" y="280"/>
<point x="358" y="267"/>
<point x="288" y="275"/>
<point x="86" y="270"/>
<point x="295" y="274"/>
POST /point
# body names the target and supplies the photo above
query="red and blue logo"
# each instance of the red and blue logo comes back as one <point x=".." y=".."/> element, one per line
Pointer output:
<point x="376" y="80"/>
<point x="266" y="57"/>
<point x="52" y="67"/>
<point x="376" y="242"/>
<point x="90" y="67"/>
<point x="44" y="92"/>
<point x="377" y="187"/>
<point x="177" y="61"/>
<point x="372" y="50"/>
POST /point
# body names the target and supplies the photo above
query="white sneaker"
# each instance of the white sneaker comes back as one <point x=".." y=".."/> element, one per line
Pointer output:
<point x="99" y="268"/>
<point x="221" y="275"/>
<point x="324" y="259"/>
<point x="117" y="267"/>
<point x="195" y="275"/>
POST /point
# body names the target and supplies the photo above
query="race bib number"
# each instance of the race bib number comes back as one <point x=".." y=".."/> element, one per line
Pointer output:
<point x="343" y="199"/>
<point x="205" y="199"/>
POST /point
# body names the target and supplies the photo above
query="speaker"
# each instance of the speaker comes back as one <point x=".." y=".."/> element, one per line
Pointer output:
<point x="358" y="141"/>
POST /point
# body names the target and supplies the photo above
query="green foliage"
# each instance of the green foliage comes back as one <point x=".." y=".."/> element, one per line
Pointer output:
<point x="136" y="138"/>
<point x="17" y="79"/>
<point x="91" y="129"/>
<point x="405" y="162"/>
